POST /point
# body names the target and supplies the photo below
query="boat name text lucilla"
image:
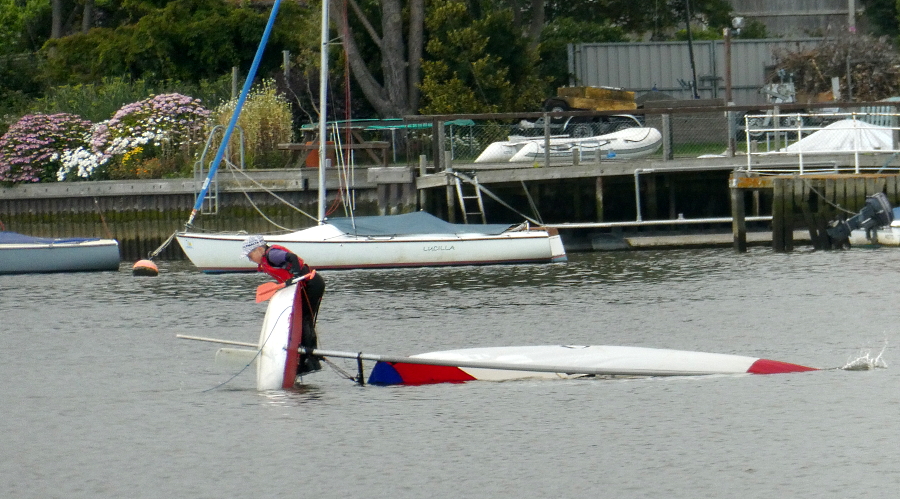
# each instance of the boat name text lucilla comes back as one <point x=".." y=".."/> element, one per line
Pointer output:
<point x="438" y="248"/>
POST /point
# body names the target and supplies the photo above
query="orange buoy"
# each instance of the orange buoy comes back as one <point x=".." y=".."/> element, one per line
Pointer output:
<point x="145" y="268"/>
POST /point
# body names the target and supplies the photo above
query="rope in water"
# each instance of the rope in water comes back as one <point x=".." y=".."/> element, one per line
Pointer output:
<point x="258" y="351"/>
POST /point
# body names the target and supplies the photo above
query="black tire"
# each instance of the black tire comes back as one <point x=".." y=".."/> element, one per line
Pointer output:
<point x="582" y="130"/>
<point x="556" y="106"/>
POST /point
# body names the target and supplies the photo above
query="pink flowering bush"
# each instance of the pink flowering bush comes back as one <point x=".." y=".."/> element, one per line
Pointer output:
<point x="32" y="149"/>
<point x="160" y="130"/>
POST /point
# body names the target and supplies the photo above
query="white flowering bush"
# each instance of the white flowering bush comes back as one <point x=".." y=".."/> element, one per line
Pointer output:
<point x="32" y="149"/>
<point x="145" y="139"/>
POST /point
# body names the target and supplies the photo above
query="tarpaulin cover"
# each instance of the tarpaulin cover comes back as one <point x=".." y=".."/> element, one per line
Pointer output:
<point x="843" y="136"/>
<point x="419" y="222"/>
<point x="7" y="237"/>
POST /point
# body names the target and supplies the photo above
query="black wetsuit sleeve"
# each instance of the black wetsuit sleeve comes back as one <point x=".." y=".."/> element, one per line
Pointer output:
<point x="294" y="266"/>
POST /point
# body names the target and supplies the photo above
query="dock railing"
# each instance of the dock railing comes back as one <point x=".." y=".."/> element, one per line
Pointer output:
<point x="831" y="142"/>
<point x="685" y="132"/>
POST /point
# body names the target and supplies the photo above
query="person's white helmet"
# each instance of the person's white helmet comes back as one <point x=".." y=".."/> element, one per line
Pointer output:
<point x="251" y="243"/>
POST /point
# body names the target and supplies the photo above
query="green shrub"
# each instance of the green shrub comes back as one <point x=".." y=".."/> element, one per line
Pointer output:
<point x="266" y="121"/>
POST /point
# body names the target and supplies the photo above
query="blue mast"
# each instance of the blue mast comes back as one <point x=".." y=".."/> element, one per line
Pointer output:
<point x="234" y="117"/>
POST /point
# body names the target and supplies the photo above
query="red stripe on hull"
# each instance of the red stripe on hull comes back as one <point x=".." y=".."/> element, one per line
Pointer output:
<point x="420" y="374"/>
<point x="765" y="366"/>
<point x="295" y="334"/>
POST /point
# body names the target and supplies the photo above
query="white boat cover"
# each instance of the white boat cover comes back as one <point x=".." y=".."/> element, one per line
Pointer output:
<point x="843" y="136"/>
<point x="7" y="237"/>
<point x="407" y="224"/>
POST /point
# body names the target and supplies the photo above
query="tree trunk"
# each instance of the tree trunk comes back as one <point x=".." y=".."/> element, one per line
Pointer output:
<point x="393" y="56"/>
<point x="416" y="46"/>
<point x="537" y="24"/>
<point x="398" y="94"/>
<point x="56" y="21"/>
<point x="87" y="18"/>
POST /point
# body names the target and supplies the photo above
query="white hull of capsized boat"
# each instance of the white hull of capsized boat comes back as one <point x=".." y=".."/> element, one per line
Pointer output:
<point x="273" y="340"/>
<point x="567" y="361"/>
<point x="504" y="363"/>
<point x="325" y="247"/>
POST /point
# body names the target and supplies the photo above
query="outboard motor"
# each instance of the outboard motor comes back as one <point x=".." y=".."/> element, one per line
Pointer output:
<point x="876" y="213"/>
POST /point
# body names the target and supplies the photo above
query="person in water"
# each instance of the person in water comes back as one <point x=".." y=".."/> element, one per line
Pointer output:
<point x="284" y="266"/>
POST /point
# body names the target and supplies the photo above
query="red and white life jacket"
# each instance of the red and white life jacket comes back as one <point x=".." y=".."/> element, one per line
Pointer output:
<point x="279" y="274"/>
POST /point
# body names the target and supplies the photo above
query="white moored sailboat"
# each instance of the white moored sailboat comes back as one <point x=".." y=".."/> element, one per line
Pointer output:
<point x="414" y="239"/>
<point x="409" y="240"/>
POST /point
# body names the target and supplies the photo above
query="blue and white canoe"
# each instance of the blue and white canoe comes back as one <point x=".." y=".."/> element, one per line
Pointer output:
<point x="21" y="254"/>
<point x="491" y="364"/>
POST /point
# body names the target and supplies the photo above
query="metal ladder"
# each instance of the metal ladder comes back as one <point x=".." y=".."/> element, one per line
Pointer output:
<point x="469" y="194"/>
<point x="210" y="204"/>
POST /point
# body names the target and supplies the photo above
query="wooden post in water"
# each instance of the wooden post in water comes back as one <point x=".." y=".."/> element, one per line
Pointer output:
<point x="451" y="192"/>
<point x="423" y="193"/>
<point x="779" y="236"/>
<point x="738" y="220"/>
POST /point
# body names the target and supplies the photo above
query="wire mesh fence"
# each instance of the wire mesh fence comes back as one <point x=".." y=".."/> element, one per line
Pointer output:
<point x="565" y="139"/>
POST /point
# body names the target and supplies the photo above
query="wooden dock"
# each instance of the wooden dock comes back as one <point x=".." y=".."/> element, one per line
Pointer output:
<point x="608" y="205"/>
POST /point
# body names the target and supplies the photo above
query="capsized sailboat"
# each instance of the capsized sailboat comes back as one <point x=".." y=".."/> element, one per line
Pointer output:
<point x="272" y="354"/>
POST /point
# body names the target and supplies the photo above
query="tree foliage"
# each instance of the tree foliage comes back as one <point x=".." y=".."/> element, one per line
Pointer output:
<point x="882" y="17"/>
<point x="477" y="65"/>
<point x="184" y="40"/>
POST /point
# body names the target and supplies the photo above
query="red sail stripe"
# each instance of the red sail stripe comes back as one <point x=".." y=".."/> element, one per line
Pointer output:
<point x="765" y="366"/>
<point x="420" y="374"/>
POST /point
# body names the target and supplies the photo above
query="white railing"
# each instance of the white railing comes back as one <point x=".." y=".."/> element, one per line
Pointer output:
<point x="814" y="135"/>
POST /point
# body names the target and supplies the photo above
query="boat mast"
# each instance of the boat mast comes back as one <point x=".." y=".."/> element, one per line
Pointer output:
<point x="323" y="115"/>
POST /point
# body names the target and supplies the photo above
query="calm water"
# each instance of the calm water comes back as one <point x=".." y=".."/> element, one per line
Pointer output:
<point x="99" y="399"/>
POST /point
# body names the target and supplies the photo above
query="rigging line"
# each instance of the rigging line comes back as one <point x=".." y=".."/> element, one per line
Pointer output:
<point x="531" y="202"/>
<point x="234" y="170"/>
<point x="343" y="178"/>
<point x="837" y="206"/>
<point x="162" y="246"/>
<point x="341" y="158"/>
<point x="493" y="196"/>
<point x="344" y="175"/>
<point x="338" y="155"/>
<point x="337" y="368"/>
<point x="258" y="352"/>
<point x="255" y="207"/>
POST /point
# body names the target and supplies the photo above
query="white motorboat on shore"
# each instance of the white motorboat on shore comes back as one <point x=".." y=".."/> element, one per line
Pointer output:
<point x="634" y="142"/>
<point x="20" y="254"/>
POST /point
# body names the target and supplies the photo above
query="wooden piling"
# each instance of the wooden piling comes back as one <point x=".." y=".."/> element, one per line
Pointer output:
<point x="738" y="219"/>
